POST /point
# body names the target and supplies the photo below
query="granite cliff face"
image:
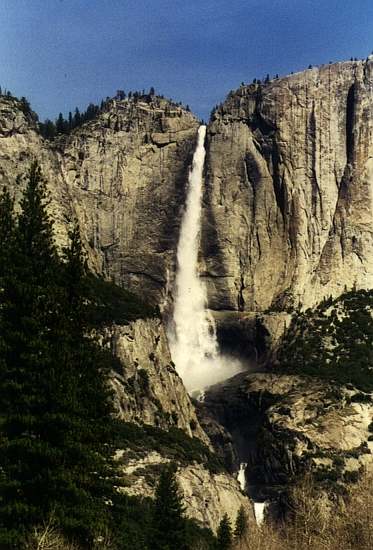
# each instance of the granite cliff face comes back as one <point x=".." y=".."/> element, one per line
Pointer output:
<point x="122" y="176"/>
<point x="126" y="173"/>
<point x="288" y="213"/>
<point x="20" y="143"/>
<point x="146" y="386"/>
<point x="288" y="195"/>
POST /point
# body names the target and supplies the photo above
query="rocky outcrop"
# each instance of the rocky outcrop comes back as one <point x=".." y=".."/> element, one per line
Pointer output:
<point x="148" y="391"/>
<point x="20" y="144"/>
<point x="147" y="388"/>
<point x="288" y="215"/>
<point x="126" y="172"/>
<point x="207" y="496"/>
<point x="283" y="426"/>
<point x="122" y="176"/>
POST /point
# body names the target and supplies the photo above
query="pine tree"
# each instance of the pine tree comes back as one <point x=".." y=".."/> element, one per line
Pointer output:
<point x="6" y="223"/>
<point x="241" y="524"/>
<point x="89" y="396"/>
<point x="25" y="315"/>
<point x="61" y="124"/>
<point x="77" y="118"/>
<point x="25" y="106"/>
<point x="224" y="534"/>
<point x="47" y="129"/>
<point x="54" y="403"/>
<point x="169" y="522"/>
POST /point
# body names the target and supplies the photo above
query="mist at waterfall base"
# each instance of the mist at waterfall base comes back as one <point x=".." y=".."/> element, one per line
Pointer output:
<point x="192" y="336"/>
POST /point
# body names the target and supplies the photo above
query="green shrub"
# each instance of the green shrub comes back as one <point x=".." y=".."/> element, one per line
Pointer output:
<point x="110" y="303"/>
<point x="333" y="341"/>
<point x="174" y="444"/>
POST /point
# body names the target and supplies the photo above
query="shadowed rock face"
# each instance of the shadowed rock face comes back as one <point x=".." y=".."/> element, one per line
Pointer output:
<point x="282" y="426"/>
<point x="288" y="215"/>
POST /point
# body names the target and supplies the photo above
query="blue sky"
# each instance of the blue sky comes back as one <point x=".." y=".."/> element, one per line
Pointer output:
<point x="66" y="53"/>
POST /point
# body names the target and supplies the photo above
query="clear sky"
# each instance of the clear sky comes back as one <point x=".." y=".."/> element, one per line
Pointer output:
<point x="65" y="53"/>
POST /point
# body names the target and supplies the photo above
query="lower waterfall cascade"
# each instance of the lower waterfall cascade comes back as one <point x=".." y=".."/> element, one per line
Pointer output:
<point x="259" y="512"/>
<point x="192" y="335"/>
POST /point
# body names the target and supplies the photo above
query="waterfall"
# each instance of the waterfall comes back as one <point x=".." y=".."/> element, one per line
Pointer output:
<point x="192" y="337"/>
<point x="241" y="476"/>
<point x="259" y="512"/>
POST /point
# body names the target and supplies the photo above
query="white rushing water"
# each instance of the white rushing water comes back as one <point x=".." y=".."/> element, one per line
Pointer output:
<point x="241" y="476"/>
<point x="193" y="342"/>
<point x="259" y="511"/>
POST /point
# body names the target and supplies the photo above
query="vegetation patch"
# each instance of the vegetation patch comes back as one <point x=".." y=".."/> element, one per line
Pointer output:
<point x="109" y="303"/>
<point x="333" y="341"/>
<point x="173" y="444"/>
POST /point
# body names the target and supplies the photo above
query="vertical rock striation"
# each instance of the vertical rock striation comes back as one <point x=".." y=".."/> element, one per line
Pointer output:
<point x="288" y="213"/>
<point x="122" y="176"/>
<point x="126" y="172"/>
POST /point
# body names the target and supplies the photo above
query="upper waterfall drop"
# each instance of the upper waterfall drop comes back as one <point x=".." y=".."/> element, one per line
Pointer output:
<point x="193" y="343"/>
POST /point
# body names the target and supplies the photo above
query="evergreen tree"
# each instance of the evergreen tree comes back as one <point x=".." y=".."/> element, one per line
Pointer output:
<point x="61" y="124"/>
<point x="169" y="522"/>
<point x="47" y="129"/>
<point x="25" y="106"/>
<point x="77" y="118"/>
<point x="54" y="406"/>
<point x="241" y="524"/>
<point x="224" y="534"/>
<point x="6" y="225"/>
<point x="25" y="315"/>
